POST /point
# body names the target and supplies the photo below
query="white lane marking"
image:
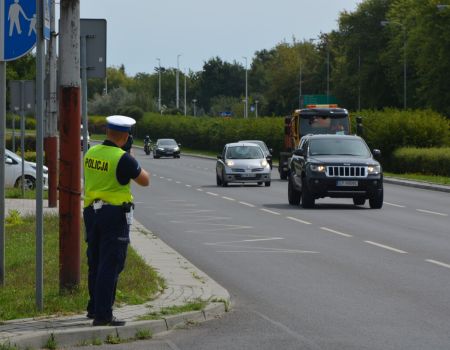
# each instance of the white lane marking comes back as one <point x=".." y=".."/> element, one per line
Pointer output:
<point x="270" y="211"/>
<point x="199" y="189"/>
<point x="247" y="204"/>
<point x="394" y="205"/>
<point x="431" y="212"/>
<point x="177" y="182"/>
<point x="386" y="247"/>
<point x="169" y="179"/>
<point x="336" y="232"/>
<point x="247" y="240"/>
<point x="438" y="263"/>
<point x="298" y="220"/>
<point x="188" y="185"/>
<point x="155" y="175"/>
<point x="300" y="338"/>
<point x="205" y="169"/>
<point x="161" y="177"/>
<point x="212" y="194"/>
<point x="228" y="198"/>
<point x="267" y="251"/>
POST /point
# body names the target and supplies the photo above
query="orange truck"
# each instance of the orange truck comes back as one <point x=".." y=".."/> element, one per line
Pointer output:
<point x="314" y="119"/>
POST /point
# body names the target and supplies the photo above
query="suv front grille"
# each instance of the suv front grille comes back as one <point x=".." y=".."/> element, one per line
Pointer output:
<point x="346" y="171"/>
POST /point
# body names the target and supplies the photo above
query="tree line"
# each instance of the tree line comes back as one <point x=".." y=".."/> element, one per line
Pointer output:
<point x="386" y="53"/>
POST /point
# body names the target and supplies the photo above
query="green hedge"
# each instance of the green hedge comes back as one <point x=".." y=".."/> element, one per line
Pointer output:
<point x="428" y="161"/>
<point x="30" y="142"/>
<point x="391" y="129"/>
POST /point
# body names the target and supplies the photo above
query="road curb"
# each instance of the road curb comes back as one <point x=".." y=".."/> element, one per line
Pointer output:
<point x="131" y="331"/>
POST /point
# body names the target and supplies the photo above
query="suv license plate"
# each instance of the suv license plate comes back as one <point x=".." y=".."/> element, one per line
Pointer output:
<point x="347" y="183"/>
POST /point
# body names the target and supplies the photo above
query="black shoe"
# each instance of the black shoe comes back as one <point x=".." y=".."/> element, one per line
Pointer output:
<point x="90" y="315"/>
<point x="112" y="322"/>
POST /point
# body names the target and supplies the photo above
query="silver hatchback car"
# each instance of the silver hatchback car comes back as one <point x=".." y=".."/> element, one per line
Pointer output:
<point x="242" y="162"/>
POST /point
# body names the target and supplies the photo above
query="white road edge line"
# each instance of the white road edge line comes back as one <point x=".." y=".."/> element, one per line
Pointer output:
<point x="336" y="232"/>
<point x="438" y="263"/>
<point x="386" y="247"/>
<point x="228" y="198"/>
<point x="247" y="204"/>
<point x="431" y="212"/>
<point x="270" y="211"/>
<point x="298" y="220"/>
<point x="394" y="205"/>
<point x="212" y="194"/>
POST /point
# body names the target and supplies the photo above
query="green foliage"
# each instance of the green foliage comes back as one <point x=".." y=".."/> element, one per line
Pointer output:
<point x="391" y="129"/>
<point x="132" y="111"/>
<point x="430" y="161"/>
<point x="29" y="141"/>
<point x="13" y="218"/>
<point x="111" y="103"/>
<point x="209" y="133"/>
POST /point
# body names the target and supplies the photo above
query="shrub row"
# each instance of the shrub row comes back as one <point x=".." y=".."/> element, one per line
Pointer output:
<point x="429" y="161"/>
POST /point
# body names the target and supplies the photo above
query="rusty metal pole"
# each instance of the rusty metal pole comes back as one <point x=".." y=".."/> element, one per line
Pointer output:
<point x="70" y="152"/>
<point x="51" y="138"/>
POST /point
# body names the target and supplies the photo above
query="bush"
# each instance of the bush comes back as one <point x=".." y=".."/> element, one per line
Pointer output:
<point x="391" y="129"/>
<point x="132" y="111"/>
<point x="30" y="142"/>
<point x="428" y="161"/>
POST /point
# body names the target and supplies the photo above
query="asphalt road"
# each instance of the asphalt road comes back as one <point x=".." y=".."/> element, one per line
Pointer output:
<point x="334" y="277"/>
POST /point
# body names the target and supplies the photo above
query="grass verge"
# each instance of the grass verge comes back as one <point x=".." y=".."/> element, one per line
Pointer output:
<point x="440" y="180"/>
<point x="174" y="310"/>
<point x="17" y="193"/>
<point x="138" y="283"/>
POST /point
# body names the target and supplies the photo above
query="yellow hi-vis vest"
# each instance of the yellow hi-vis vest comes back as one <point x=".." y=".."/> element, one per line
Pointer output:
<point x="100" y="181"/>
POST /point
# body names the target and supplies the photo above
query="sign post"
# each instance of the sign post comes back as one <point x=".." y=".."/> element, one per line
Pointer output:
<point x="17" y="38"/>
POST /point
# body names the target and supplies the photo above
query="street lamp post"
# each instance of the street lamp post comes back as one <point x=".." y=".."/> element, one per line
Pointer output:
<point x="194" y="101"/>
<point x="177" y="82"/>
<point x="159" y="84"/>
<point x="246" y="89"/>
<point x="385" y="23"/>
<point x="185" y="110"/>
<point x="256" y="108"/>
<point x="300" y="87"/>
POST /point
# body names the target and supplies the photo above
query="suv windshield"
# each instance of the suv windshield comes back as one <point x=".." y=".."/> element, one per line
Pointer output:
<point x="244" y="152"/>
<point x="335" y="146"/>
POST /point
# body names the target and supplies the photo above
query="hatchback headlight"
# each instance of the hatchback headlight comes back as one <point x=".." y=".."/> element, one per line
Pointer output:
<point x="319" y="168"/>
<point x="229" y="163"/>
<point x="374" y="169"/>
<point x="264" y="163"/>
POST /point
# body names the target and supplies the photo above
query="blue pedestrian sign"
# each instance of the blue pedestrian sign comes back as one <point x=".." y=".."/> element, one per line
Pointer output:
<point x="17" y="28"/>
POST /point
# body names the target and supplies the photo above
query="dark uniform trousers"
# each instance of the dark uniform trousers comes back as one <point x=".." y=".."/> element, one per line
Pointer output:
<point x="107" y="236"/>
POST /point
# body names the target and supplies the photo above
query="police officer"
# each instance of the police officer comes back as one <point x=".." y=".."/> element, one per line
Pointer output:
<point x="108" y="209"/>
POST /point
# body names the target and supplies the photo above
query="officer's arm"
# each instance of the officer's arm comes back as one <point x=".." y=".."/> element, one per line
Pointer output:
<point x="143" y="178"/>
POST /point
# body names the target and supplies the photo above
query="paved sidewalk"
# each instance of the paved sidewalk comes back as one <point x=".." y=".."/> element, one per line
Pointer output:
<point x="184" y="283"/>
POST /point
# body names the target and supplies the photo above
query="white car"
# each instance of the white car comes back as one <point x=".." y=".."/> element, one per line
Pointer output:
<point x="13" y="172"/>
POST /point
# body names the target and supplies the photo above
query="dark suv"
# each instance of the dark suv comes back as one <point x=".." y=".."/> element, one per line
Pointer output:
<point x="338" y="166"/>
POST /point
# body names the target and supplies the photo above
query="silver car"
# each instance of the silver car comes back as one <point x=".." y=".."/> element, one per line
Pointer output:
<point x="242" y="162"/>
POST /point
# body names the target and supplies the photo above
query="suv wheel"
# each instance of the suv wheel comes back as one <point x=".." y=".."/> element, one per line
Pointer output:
<point x="307" y="198"/>
<point x="376" y="202"/>
<point x="293" y="194"/>
<point x="267" y="183"/>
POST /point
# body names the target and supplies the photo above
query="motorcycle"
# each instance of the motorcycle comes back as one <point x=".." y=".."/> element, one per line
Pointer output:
<point x="147" y="148"/>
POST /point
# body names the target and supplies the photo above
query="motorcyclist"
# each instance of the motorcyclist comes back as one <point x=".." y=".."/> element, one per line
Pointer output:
<point x="147" y="142"/>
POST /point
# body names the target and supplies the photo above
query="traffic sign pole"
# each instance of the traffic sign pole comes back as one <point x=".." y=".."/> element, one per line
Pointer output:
<point x="2" y="168"/>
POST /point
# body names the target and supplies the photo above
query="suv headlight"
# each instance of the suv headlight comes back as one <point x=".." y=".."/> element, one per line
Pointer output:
<point x="229" y="163"/>
<point x="374" y="169"/>
<point x="319" y="168"/>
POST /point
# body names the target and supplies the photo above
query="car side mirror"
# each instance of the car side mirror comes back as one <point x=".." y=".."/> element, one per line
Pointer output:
<point x="179" y="145"/>
<point x="376" y="152"/>
<point x="219" y="156"/>
<point x="299" y="152"/>
<point x="8" y="160"/>
<point x="271" y="150"/>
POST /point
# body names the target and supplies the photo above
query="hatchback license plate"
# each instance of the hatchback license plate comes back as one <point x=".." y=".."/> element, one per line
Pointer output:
<point x="347" y="183"/>
<point x="246" y="175"/>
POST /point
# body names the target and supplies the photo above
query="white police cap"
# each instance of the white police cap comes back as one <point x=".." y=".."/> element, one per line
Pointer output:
<point x="120" y="122"/>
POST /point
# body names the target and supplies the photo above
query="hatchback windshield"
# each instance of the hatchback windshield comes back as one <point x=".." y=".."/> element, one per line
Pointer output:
<point x="168" y="142"/>
<point x="244" y="152"/>
<point x="334" y="146"/>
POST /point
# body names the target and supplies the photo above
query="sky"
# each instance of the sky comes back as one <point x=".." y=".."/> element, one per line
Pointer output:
<point x="140" y="31"/>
